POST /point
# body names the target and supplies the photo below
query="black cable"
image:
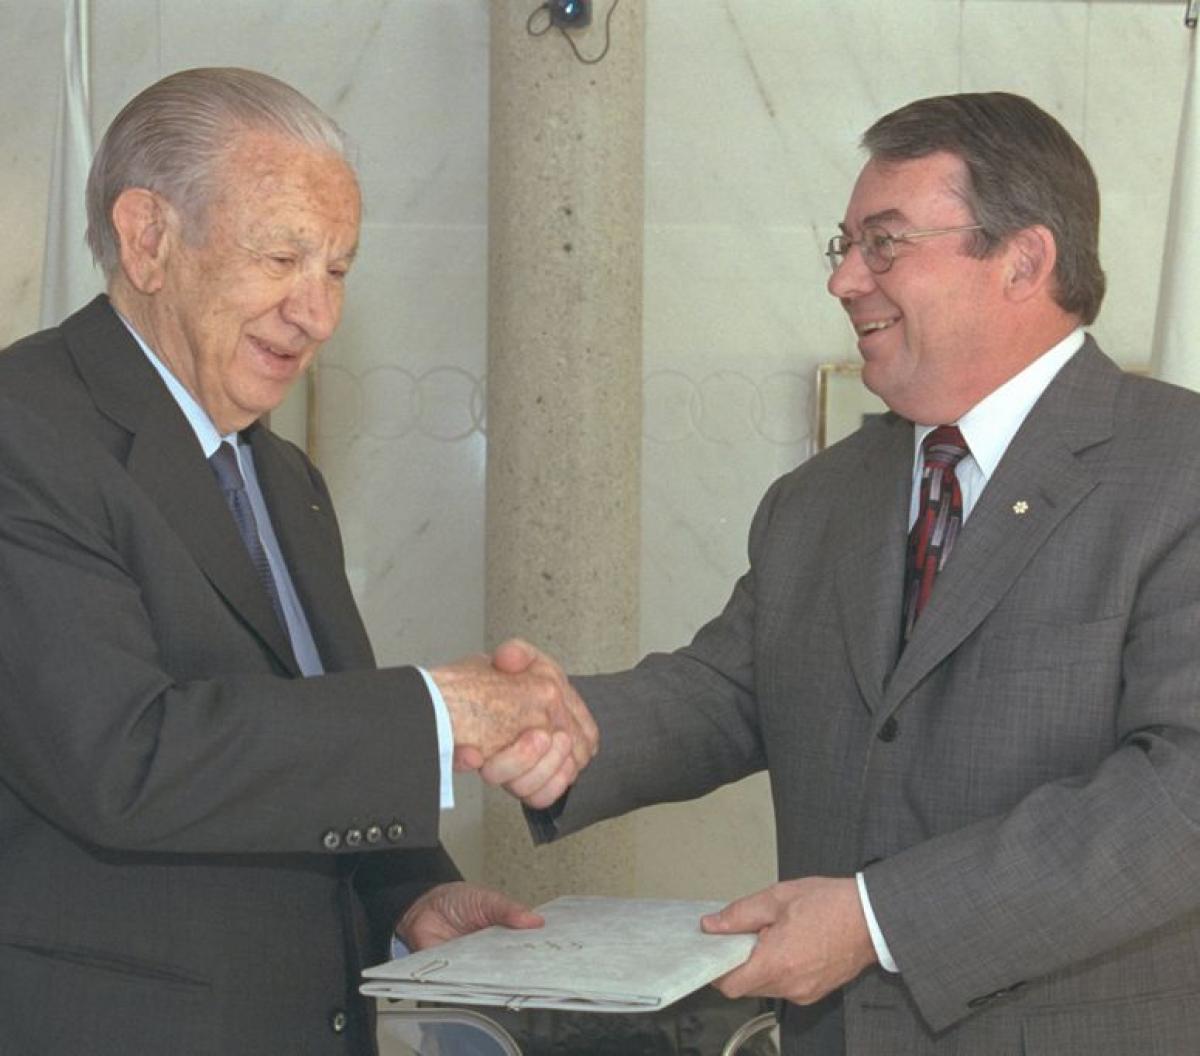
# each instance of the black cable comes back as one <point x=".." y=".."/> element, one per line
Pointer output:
<point x="532" y="15"/>
<point x="550" y="22"/>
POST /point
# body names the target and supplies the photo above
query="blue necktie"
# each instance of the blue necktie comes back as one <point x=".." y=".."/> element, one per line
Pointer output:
<point x="225" y="466"/>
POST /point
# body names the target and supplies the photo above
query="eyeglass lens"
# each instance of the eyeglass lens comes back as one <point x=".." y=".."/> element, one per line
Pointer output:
<point x="875" y="246"/>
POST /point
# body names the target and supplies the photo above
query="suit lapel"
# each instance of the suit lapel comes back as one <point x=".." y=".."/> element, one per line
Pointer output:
<point x="304" y="524"/>
<point x="870" y="574"/>
<point x="1037" y="484"/>
<point x="165" y="460"/>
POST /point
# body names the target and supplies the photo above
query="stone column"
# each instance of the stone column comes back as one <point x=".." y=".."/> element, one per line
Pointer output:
<point x="564" y="385"/>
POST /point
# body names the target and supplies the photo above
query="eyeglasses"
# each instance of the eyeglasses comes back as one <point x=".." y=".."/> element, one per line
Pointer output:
<point x="878" y="245"/>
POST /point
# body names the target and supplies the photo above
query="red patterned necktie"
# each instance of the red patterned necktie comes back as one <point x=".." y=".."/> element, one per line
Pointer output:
<point x="938" y="520"/>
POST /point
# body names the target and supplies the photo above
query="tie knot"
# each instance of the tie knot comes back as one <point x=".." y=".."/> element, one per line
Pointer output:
<point x="945" y="446"/>
<point x="225" y="466"/>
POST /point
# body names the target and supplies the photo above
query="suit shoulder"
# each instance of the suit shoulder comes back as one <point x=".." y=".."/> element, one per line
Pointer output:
<point x="1159" y="418"/>
<point x="38" y="355"/>
<point x="877" y="436"/>
<point x="1138" y="393"/>
<point x="45" y="404"/>
<point x="864" y="455"/>
<point x="38" y="372"/>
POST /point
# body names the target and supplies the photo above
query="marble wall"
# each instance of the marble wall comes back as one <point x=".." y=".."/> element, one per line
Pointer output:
<point x="753" y="111"/>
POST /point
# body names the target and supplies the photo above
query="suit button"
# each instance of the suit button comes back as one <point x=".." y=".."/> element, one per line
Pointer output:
<point x="374" y="834"/>
<point x="889" y="730"/>
<point x="354" y="837"/>
<point x="395" y="832"/>
<point x="337" y="1021"/>
<point x="331" y="841"/>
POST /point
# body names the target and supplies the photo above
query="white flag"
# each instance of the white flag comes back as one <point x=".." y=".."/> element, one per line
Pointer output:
<point x="1176" y="352"/>
<point x="69" y="278"/>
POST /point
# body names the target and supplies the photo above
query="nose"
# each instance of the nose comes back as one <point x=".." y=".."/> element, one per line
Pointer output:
<point x="314" y="305"/>
<point x="851" y="278"/>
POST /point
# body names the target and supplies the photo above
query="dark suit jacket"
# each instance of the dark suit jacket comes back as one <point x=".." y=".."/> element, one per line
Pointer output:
<point x="175" y="869"/>
<point x="1023" y="787"/>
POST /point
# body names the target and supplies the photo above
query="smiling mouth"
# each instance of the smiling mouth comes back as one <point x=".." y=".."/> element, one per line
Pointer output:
<point x="873" y="327"/>
<point x="273" y="350"/>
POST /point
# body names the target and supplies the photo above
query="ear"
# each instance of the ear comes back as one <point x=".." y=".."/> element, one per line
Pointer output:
<point x="1029" y="263"/>
<point x="145" y="225"/>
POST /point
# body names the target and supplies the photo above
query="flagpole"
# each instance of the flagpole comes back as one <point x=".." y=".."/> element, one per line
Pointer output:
<point x="68" y="277"/>
<point x="83" y="30"/>
<point x="1175" y="354"/>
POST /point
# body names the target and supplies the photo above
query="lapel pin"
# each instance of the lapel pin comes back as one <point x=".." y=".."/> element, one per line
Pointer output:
<point x="1020" y="507"/>
<point x="315" y="508"/>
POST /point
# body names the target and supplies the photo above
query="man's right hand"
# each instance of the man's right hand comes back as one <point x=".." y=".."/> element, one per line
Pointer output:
<point x="517" y="718"/>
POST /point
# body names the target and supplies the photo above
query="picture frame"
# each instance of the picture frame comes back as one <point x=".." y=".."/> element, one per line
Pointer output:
<point x="844" y="403"/>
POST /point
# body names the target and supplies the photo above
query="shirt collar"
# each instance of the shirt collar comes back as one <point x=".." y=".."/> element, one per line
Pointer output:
<point x="990" y="425"/>
<point x="202" y="425"/>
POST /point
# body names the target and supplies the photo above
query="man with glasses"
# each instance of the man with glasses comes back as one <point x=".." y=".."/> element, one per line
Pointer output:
<point x="966" y="645"/>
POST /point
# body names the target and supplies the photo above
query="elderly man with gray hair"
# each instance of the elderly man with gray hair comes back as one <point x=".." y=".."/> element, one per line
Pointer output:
<point x="214" y="807"/>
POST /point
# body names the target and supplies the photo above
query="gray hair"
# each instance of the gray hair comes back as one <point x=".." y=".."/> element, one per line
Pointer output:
<point x="172" y="137"/>
<point x="1023" y="168"/>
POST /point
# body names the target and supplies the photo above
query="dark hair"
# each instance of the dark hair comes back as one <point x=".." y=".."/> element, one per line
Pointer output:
<point x="172" y="137"/>
<point x="1023" y="168"/>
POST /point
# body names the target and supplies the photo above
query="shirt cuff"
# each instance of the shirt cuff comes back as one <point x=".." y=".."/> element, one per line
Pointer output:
<point x="878" y="941"/>
<point x="445" y="736"/>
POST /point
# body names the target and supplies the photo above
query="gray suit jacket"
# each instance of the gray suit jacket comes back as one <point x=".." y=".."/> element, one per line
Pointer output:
<point x="170" y="788"/>
<point x="1023" y="787"/>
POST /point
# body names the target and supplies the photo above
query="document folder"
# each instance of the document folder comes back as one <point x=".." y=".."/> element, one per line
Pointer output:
<point x="594" y="954"/>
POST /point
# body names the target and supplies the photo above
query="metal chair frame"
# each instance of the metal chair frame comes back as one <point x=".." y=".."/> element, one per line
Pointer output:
<point x="461" y="1017"/>
<point x="507" y="1044"/>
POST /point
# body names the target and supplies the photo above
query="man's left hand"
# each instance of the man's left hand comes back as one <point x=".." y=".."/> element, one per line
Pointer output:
<point x="450" y="910"/>
<point x="812" y="938"/>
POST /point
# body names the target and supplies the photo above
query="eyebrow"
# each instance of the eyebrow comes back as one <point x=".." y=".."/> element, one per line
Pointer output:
<point x="881" y="217"/>
<point x="303" y="244"/>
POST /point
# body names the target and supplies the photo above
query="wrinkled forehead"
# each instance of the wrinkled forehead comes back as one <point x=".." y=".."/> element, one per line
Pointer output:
<point x="267" y="179"/>
<point x="265" y="167"/>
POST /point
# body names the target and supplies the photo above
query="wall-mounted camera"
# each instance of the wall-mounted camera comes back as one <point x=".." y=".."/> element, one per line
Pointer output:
<point x="570" y="14"/>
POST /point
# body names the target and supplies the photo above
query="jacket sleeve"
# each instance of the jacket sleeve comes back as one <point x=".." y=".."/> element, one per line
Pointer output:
<point x="388" y="883"/>
<point x="142" y="714"/>
<point x="676" y="726"/>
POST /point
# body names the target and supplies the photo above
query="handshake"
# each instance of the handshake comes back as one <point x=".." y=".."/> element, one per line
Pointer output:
<point x="518" y="721"/>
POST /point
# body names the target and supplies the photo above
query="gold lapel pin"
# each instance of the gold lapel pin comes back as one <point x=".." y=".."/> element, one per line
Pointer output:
<point x="1020" y="507"/>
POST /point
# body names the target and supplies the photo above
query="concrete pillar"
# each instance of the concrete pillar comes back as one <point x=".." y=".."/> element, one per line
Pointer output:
<point x="564" y="385"/>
